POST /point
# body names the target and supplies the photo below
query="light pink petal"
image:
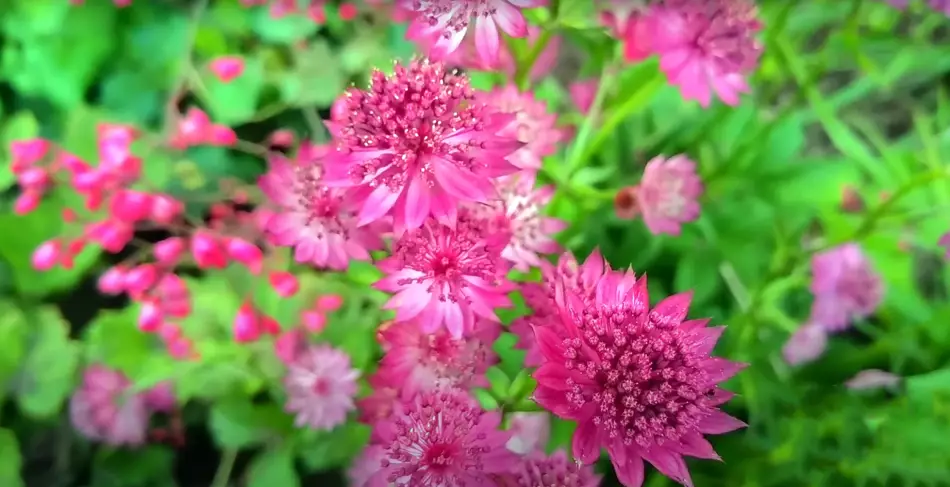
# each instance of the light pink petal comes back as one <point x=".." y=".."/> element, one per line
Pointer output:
<point x="718" y="423"/>
<point x="377" y="205"/>
<point x="486" y="40"/>
<point x="510" y="19"/>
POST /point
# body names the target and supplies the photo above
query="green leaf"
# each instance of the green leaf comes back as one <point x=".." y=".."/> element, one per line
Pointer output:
<point x="500" y="383"/>
<point x="321" y="451"/>
<point x="10" y="460"/>
<point x="315" y="78"/>
<point x="21" y="126"/>
<point x="929" y="388"/>
<point x="577" y="14"/>
<point x="284" y="30"/>
<point x="47" y="374"/>
<point x="114" y="340"/>
<point x="235" y="102"/>
<point x="14" y="330"/>
<point x="272" y="468"/>
<point x="32" y="19"/>
<point x="152" y="466"/>
<point x="237" y="423"/>
<point x="698" y="270"/>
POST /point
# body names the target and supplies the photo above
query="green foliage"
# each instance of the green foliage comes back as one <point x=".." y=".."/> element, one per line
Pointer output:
<point x="10" y="461"/>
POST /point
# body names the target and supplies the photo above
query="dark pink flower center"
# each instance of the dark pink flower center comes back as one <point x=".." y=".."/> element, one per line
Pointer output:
<point x="321" y="386"/>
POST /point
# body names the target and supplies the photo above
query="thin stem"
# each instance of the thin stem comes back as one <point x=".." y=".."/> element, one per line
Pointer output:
<point x="223" y="475"/>
<point x="579" y="151"/>
<point x="523" y="71"/>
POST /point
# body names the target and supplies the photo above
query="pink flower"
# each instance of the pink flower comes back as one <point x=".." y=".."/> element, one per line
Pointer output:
<point x="105" y="408"/>
<point x="440" y="25"/>
<point x="533" y="125"/>
<point x="381" y="403"/>
<point x="638" y="381"/>
<point x="583" y="94"/>
<point x="416" y="144"/>
<point x="805" y="345"/>
<point x="46" y="255"/>
<point x="321" y="385"/>
<point x="443" y="438"/>
<point x="466" y="56"/>
<point x="538" y="469"/>
<point x="316" y="220"/>
<point x="227" y="68"/>
<point x="706" y="46"/>
<point x="845" y="286"/>
<point x="416" y="361"/>
<point x="873" y="379"/>
<point x="667" y="194"/>
<point x="529" y="432"/>
<point x="626" y="21"/>
<point x="445" y="277"/>
<point x="365" y="466"/>
<point x="945" y="243"/>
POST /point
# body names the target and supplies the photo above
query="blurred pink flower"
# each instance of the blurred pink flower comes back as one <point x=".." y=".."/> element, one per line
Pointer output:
<point x="533" y="125"/>
<point x="381" y="403"/>
<point x="321" y="385"/>
<point x="466" y="56"/>
<point x="316" y="220"/>
<point x="444" y="438"/>
<point x="529" y="432"/>
<point x="416" y="144"/>
<point x="538" y="469"/>
<point x="625" y="20"/>
<point x="705" y="46"/>
<point x="583" y="94"/>
<point x="873" y="379"/>
<point x="639" y="381"/>
<point x="105" y="408"/>
<point x="805" y="345"/>
<point x="667" y="194"/>
<point x="418" y="361"/>
<point x="446" y="277"/>
<point x="365" y="466"/>
<point x="945" y="243"/>
<point x="441" y="25"/>
<point x="227" y="68"/>
<point x="845" y="287"/>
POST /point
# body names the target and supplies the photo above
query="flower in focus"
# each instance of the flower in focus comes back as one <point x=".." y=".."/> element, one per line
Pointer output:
<point x="446" y="277"/>
<point x="538" y="469"/>
<point x="529" y="432"/>
<point x="440" y="25"/>
<point x="873" y="379"/>
<point x="417" y="361"/>
<point x="227" y="68"/>
<point x="845" y="287"/>
<point x="533" y="125"/>
<point x="705" y="46"/>
<point x="321" y="385"/>
<point x="805" y="345"/>
<point x="416" y="144"/>
<point x="314" y="219"/>
<point x="667" y="194"/>
<point x="106" y="408"/>
<point x="443" y="438"/>
<point x="638" y="381"/>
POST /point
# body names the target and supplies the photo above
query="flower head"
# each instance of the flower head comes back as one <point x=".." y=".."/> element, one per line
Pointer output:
<point x="705" y="46"/>
<point x="539" y="470"/>
<point x="667" y="194"/>
<point x="805" y="345"/>
<point x="533" y="125"/>
<point x="321" y="385"/>
<point x="107" y="409"/>
<point x="845" y="287"/>
<point x="873" y="379"/>
<point x="316" y="220"/>
<point x="440" y="25"/>
<point x="529" y="432"/>
<point x="418" y="361"/>
<point x="638" y="381"/>
<point x="443" y="438"/>
<point x="446" y="276"/>
<point x="365" y="466"/>
<point x="417" y="144"/>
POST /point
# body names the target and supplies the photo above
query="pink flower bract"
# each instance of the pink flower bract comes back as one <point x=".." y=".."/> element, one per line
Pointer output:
<point x="443" y="439"/>
<point x="539" y="470"/>
<point x="417" y="144"/>
<point x="845" y="287"/>
<point x="638" y="381"/>
<point x="667" y="194"/>
<point x="321" y="385"/>
<point x="533" y="125"/>
<point x="529" y="432"/>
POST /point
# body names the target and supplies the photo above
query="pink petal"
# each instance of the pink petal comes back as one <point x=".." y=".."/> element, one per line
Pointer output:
<point x="554" y="376"/>
<point x="585" y="443"/>
<point x="718" y="423"/>
<point x="377" y="205"/>
<point x="630" y="473"/>
<point x="486" y="40"/>
<point x="670" y="464"/>
<point x="510" y="19"/>
<point x="417" y="203"/>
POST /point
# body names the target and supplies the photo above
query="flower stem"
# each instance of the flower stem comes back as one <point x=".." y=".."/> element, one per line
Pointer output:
<point x="223" y="475"/>
<point x="523" y="71"/>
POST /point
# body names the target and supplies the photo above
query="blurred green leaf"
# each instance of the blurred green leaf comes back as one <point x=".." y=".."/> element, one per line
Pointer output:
<point x="14" y="330"/>
<point x="285" y="30"/>
<point x="698" y="271"/>
<point x="47" y="373"/>
<point x="930" y="387"/>
<point x="114" y="340"/>
<point x="10" y="460"/>
<point x="152" y="466"/>
<point x="236" y="101"/>
<point x="237" y="423"/>
<point x="273" y="467"/>
<point x="321" y="451"/>
<point x="577" y="14"/>
<point x="21" y="126"/>
<point x="315" y="78"/>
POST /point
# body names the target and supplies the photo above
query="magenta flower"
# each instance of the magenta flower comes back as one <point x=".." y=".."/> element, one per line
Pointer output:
<point x="105" y="408"/>
<point x="667" y="194"/>
<point x="227" y="68"/>
<point x="529" y="432"/>
<point x="638" y="381"/>
<point x="845" y="286"/>
<point x="316" y="220"/>
<point x="446" y="277"/>
<point x="626" y="21"/>
<point x="381" y="403"/>
<point x="417" y="144"/>
<point x="538" y="469"/>
<point x="418" y="361"/>
<point x="805" y="345"/>
<point x="533" y="125"/>
<point x="443" y="439"/>
<point x="321" y="385"/>
<point x="440" y="25"/>
<point x="706" y="46"/>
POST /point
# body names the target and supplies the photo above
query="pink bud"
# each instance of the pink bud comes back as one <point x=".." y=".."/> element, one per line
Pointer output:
<point x="165" y="209"/>
<point x="288" y="345"/>
<point x="282" y="138"/>
<point x="221" y="135"/>
<point x="180" y="348"/>
<point x="112" y="281"/>
<point x="150" y="317"/>
<point x="72" y="163"/>
<point x="583" y="93"/>
<point x="329" y="302"/>
<point x="111" y="235"/>
<point x="27" y="202"/>
<point x="226" y="68"/>
<point x="25" y="153"/>
<point x="317" y="13"/>
<point x="246" y="253"/>
<point x="313" y="321"/>
<point x="246" y="326"/>
<point x="348" y="11"/>
<point x="284" y="283"/>
<point x="86" y="180"/>
<point x="46" y="255"/>
<point x="269" y="325"/>
<point x="207" y="251"/>
<point x="140" y="279"/>
<point x="160" y="398"/>
<point x="169" y="251"/>
<point x="130" y="206"/>
<point x="169" y="332"/>
<point x="34" y="178"/>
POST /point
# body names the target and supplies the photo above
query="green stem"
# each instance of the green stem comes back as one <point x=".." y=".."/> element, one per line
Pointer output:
<point x="579" y="151"/>
<point x="223" y="475"/>
<point x="523" y="71"/>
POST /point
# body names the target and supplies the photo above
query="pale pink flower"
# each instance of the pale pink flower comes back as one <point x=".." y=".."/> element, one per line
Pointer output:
<point x="417" y="144"/>
<point x="446" y="277"/>
<point x="639" y="381"/>
<point x="706" y="46"/>
<point x="873" y="379"/>
<point x="667" y="194"/>
<point x="805" y="345"/>
<point x="443" y="438"/>
<point x="316" y="220"/>
<point x="533" y="125"/>
<point x="106" y="408"/>
<point x="321" y="385"/>
<point x="540" y="470"/>
<point x="227" y="68"/>
<point x="419" y="361"/>
<point x="365" y="466"/>
<point x="440" y="25"/>
<point x="466" y="56"/>
<point x="845" y="287"/>
<point x="529" y="432"/>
